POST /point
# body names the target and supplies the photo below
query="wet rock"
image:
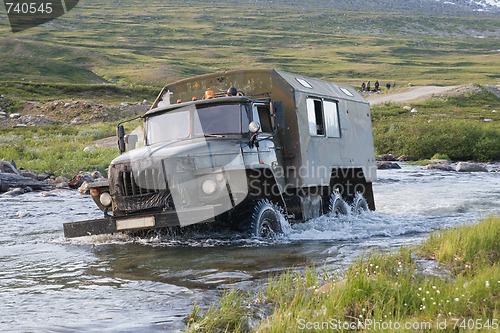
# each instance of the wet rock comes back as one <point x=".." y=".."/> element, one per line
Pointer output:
<point x="28" y="174"/>
<point x="43" y="176"/>
<point x="6" y="167"/>
<point x="386" y="165"/>
<point x="22" y="214"/>
<point x="62" y="185"/>
<point x="470" y="167"/>
<point x="406" y="158"/>
<point x="79" y="179"/>
<point x="439" y="166"/>
<point x="60" y="179"/>
<point x="15" y="192"/>
<point x="387" y="157"/>
<point x="96" y="175"/>
<point x="9" y="181"/>
<point x="84" y="189"/>
<point x="52" y="193"/>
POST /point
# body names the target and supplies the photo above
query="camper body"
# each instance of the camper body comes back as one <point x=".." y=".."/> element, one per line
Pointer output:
<point x="242" y="148"/>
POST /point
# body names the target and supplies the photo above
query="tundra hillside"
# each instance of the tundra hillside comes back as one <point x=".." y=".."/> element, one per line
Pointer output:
<point x="128" y="42"/>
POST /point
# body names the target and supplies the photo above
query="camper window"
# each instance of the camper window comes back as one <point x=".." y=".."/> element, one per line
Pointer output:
<point x="332" y="119"/>
<point x="315" y="117"/>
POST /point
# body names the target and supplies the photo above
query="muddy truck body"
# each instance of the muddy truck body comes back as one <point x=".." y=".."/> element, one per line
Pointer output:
<point x="241" y="148"/>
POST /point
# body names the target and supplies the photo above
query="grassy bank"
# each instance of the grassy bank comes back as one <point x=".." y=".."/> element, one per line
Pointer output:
<point x="453" y="126"/>
<point x="379" y="290"/>
<point x="58" y="149"/>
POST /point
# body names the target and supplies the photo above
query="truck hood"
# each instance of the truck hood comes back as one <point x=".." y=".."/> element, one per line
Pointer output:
<point x="205" y="153"/>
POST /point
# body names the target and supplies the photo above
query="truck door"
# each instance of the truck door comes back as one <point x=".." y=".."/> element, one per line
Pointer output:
<point x="268" y="149"/>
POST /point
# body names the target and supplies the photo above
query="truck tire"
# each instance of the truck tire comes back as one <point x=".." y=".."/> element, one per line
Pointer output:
<point x="359" y="205"/>
<point x="262" y="219"/>
<point x="337" y="206"/>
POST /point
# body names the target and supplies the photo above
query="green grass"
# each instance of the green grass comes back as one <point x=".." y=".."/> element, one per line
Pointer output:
<point x="451" y="126"/>
<point x="379" y="288"/>
<point x="58" y="149"/>
<point x="22" y="91"/>
<point x="128" y="42"/>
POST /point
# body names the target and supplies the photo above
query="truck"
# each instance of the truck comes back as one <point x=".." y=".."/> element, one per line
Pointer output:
<point x="246" y="149"/>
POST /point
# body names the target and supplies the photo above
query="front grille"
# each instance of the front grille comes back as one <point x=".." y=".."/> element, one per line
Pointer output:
<point x="135" y="189"/>
<point x="133" y="183"/>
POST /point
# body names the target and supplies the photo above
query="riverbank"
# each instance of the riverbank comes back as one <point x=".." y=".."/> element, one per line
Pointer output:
<point x="51" y="136"/>
<point x="450" y="282"/>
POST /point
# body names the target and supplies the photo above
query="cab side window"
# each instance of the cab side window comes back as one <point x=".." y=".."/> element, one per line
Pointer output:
<point x="264" y="114"/>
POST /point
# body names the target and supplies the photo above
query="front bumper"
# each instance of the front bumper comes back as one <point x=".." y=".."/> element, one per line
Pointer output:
<point x="110" y="225"/>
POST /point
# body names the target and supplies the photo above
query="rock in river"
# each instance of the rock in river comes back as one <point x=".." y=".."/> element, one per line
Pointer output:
<point x="470" y="167"/>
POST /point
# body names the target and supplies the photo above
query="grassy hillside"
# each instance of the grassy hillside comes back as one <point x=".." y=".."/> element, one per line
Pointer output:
<point x="128" y="42"/>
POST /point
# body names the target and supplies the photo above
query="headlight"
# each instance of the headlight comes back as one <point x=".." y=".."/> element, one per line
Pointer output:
<point x="105" y="199"/>
<point x="209" y="187"/>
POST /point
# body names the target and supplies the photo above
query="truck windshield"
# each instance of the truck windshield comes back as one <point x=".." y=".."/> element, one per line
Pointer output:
<point x="222" y="119"/>
<point x="167" y="127"/>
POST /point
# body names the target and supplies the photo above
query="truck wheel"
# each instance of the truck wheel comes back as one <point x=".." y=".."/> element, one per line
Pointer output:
<point x="337" y="206"/>
<point x="263" y="219"/>
<point x="359" y="204"/>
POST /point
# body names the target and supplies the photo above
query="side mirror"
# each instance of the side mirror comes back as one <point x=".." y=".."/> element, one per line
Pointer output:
<point x="120" y="133"/>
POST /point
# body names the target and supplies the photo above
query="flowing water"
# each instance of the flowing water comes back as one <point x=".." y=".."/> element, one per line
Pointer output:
<point x="120" y="284"/>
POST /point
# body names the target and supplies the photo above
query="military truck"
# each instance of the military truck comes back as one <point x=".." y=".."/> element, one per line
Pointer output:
<point x="242" y="148"/>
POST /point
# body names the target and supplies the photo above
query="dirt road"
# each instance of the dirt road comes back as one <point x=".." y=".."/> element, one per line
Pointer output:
<point x="409" y="94"/>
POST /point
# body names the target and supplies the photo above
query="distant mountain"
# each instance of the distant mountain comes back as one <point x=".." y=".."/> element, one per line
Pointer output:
<point x="427" y="6"/>
<point x="474" y="5"/>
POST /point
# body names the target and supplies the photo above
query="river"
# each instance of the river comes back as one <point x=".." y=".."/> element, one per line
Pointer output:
<point x="119" y="284"/>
